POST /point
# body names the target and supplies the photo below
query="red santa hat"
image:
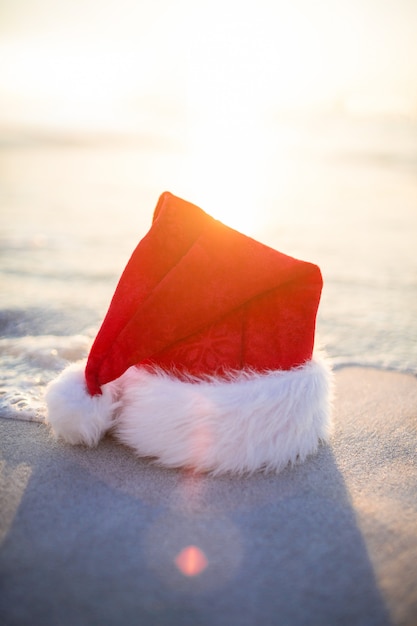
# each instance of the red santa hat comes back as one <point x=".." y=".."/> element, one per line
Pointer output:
<point x="205" y="357"/>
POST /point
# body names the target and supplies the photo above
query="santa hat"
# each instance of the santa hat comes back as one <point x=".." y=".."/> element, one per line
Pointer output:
<point x="205" y="357"/>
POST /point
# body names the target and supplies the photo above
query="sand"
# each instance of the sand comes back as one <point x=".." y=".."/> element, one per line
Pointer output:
<point x="101" y="537"/>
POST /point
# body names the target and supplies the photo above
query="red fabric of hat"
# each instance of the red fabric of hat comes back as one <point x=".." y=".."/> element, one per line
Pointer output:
<point x="199" y="297"/>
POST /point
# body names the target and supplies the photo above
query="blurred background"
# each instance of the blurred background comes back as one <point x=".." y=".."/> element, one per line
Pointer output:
<point x="294" y="122"/>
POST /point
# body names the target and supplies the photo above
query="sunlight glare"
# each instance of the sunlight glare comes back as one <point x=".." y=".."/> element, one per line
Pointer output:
<point x="213" y="77"/>
<point x="235" y="60"/>
<point x="239" y="72"/>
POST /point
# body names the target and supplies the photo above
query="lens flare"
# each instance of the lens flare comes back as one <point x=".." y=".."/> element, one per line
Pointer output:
<point x="191" y="561"/>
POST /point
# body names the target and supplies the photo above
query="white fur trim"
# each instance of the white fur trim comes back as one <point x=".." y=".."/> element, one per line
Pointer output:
<point x="252" y="421"/>
<point x="73" y="414"/>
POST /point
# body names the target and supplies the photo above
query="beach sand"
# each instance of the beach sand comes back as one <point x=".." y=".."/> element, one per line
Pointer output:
<point x="101" y="537"/>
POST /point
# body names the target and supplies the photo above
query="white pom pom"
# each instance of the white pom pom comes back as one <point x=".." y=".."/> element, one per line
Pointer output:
<point x="73" y="414"/>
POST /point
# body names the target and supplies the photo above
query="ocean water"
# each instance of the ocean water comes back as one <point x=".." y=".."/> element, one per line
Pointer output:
<point x="335" y="190"/>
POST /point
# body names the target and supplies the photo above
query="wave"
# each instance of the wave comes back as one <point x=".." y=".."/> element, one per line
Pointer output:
<point x="35" y="344"/>
<point x="36" y="321"/>
<point x="28" y="364"/>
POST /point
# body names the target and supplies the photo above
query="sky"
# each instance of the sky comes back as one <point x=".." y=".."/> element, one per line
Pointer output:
<point x="140" y="64"/>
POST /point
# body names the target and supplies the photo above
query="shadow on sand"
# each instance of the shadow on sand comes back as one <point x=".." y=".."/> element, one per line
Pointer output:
<point x="101" y="537"/>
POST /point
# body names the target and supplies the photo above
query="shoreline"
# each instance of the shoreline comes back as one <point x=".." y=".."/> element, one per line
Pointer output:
<point x="336" y="368"/>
